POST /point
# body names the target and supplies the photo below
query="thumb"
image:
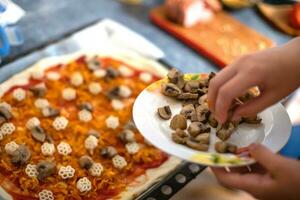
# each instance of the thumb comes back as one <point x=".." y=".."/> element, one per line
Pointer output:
<point x="269" y="160"/>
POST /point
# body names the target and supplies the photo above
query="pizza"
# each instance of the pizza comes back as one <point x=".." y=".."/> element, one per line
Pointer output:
<point x="67" y="132"/>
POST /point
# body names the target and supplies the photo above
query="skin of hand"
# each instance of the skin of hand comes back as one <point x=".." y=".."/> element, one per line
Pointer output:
<point x="275" y="177"/>
<point x="275" y="71"/>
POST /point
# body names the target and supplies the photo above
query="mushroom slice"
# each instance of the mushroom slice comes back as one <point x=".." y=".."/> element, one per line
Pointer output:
<point x="170" y="89"/>
<point x="127" y="136"/>
<point x="39" y="90"/>
<point x="50" y="112"/>
<point x="38" y="133"/>
<point x="179" y="136"/>
<point x="211" y="75"/>
<point x="224" y="147"/>
<point x="4" y="112"/>
<point x="191" y="86"/>
<point x="21" y="155"/>
<point x="108" y="152"/>
<point x="212" y="121"/>
<point x="249" y="95"/>
<point x="45" y="169"/>
<point x="195" y="145"/>
<point x="86" y="106"/>
<point x="114" y="93"/>
<point x="95" y="133"/>
<point x="187" y="95"/>
<point x="202" y="138"/>
<point x="176" y="77"/>
<point x="164" y="112"/>
<point x="188" y="111"/>
<point x="202" y="113"/>
<point x="202" y="99"/>
<point x="111" y="73"/>
<point x="85" y="162"/>
<point x="195" y="128"/>
<point x="178" y="121"/>
<point x="225" y="131"/>
<point x="93" y="64"/>
<point x="252" y="120"/>
<point x="2" y="120"/>
<point x="130" y="125"/>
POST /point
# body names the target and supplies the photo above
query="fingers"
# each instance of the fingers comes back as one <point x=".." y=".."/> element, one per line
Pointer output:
<point x="230" y="90"/>
<point x="252" y="183"/>
<point x="256" y="105"/>
<point x="270" y="161"/>
<point x="214" y="85"/>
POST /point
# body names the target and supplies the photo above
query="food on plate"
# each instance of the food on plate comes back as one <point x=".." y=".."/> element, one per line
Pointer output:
<point x="192" y="125"/>
<point x="191" y="12"/>
<point x="67" y="133"/>
<point x="295" y="16"/>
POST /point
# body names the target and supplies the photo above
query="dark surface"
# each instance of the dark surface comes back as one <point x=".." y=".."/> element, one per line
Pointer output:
<point x="47" y="21"/>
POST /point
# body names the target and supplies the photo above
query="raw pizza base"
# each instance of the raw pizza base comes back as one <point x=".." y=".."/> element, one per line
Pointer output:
<point x="151" y="176"/>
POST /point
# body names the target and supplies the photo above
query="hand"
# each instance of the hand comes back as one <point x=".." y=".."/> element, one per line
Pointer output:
<point x="279" y="179"/>
<point x="274" y="71"/>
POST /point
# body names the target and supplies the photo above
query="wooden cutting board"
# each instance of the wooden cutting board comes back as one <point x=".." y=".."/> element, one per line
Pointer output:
<point x="279" y="16"/>
<point x="222" y="39"/>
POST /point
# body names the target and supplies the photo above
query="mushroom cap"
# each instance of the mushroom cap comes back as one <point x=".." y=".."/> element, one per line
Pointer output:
<point x="187" y="95"/>
<point x="127" y="136"/>
<point x="39" y="90"/>
<point x="85" y="162"/>
<point x="50" y="112"/>
<point x="176" y="77"/>
<point x="86" y="106"/>
<point x="179" y="136"/>
<point x="108" y="152"/>
<point x="21" y="155"/>
<point x="4" y="112"/>
<point x="38" y="133"/>
<point x="164" y="112"/>
<point x="192" y="86"/>
<point x="195" y="128"/>
<point x="188" y="110"/>
<point x="202" y="138"/>
<point x="178" y="121"/>
<point x="45" y="169"/>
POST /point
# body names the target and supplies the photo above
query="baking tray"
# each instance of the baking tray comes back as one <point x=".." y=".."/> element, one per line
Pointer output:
<point x="166" y="187"/>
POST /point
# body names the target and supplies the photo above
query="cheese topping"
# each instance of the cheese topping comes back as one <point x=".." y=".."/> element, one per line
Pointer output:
<point x="117" y="104"/>
<point x="64" y="148"/>
<point x="91" y="142"/>
<point x="99" y="73"/>
<point x="119" y="162"/>
<point x="125" y="91"/>
<point x="112" y="122"/>
<point x="19" y="94"/>
<point x="84" y="184"/>
<point x="32" y="122"/>
<point x="96" y="169"/>
<point x="11" y="147"/>
<point x="37" y="74"/>
<point x="125" y="71"/>
<point x="47" y="149"/>
<point x="46" y="195"/>
<point x="31" y="171"/>
<point x="132" y="147"/>
<point x="7" y="128"/>
<point x="76" y="79"/>
<point x="69" y="94"/>
<point x="95" y="88"/>
<point x="60" y="123"/>
<point x="41" y="103"/>
<point x="85" y="115"/>
<point x="66" y="172"/>
<point x="146" y="77"/>
<point x="53" y="76"/>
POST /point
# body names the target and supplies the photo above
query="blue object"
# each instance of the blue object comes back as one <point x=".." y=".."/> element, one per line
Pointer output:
<point x="292" y="148"/>
<point x="4" y="43"/>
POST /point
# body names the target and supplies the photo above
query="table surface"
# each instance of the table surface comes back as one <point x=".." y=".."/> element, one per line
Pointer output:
<point x="48" y="21"/>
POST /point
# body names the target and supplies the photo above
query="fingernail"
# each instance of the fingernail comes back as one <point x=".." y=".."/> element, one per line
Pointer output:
<point x="253" y="146"/>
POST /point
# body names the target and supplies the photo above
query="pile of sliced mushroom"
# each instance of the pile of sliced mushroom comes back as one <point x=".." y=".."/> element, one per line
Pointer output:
<point x="193" y="96"/>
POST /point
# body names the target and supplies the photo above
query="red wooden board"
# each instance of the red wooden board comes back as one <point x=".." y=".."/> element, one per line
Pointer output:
<point x="222" y="39"/>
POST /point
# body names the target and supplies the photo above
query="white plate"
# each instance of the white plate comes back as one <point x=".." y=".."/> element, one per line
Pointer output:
<point x="274" y="131"/>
